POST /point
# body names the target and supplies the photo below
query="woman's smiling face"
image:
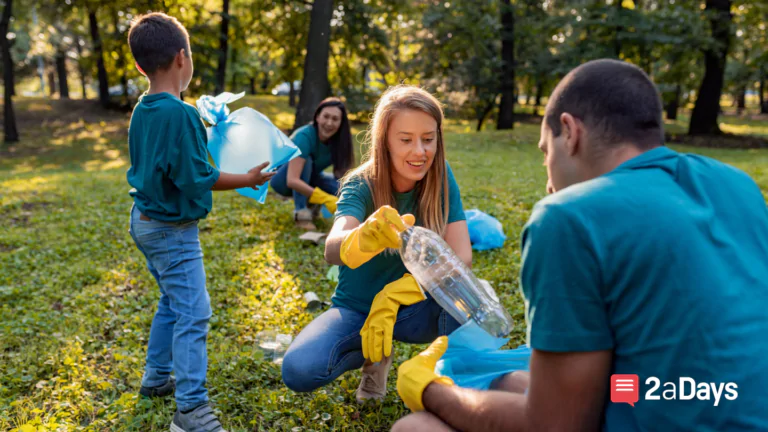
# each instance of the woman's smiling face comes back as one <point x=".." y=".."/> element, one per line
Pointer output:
<point x="412" y="143"/>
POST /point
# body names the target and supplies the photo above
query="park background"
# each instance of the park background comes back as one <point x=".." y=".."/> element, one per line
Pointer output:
<point x="76" y="300"/>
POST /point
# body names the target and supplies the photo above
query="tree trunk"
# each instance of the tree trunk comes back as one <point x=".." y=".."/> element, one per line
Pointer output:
<point x="674" y="104"/>
<point x="51" y="82"/>
<point x="506" y="119"/>
<point x="98" y="49"/>
<point x="221" y="72"/>
<point x="9" y="117"/>
<point x="763" y="102"/>
<point x="252" y="86"/>
<point x="704" y="116"/>
<point x="121" y="59"/>
<point x="741" y="100"/>
<point x="484" y="114"/>
<point x="265" y="82"/>
<point x="291" y="94"/>
<point x="314" y="84"/>
<point x="61" y="70"/>
<point x="539" y="92"/>
<point x="80" y="67"/>
<point x="233" y="82"/>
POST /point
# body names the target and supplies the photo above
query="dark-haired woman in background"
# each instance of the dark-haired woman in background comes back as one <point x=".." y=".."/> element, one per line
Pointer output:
<point x="324" y="142"/>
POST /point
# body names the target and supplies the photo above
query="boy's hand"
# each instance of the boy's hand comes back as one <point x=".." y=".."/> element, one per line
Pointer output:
<point x="258" y="178"/>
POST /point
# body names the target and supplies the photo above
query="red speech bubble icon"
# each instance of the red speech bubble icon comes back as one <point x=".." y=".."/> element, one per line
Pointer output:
<point x="625" y="389"/>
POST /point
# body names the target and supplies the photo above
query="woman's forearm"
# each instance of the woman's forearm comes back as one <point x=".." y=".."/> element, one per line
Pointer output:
<point x="293" y="179"/>
<point x="300" y="186"/>
<point x="333" y="247"/>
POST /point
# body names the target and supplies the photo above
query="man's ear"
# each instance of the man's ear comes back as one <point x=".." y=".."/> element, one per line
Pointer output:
<point x="140" y="69"/>
<point x="573" y="131"/>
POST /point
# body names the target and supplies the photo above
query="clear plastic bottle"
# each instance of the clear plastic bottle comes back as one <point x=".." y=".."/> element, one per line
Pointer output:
<point x="450" y="282"/>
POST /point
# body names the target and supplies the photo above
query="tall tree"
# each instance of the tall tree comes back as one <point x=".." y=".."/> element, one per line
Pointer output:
<point x="506" y="118"/>
<point x="61" y="71"/>
<point x="707" y="108"/>
<point x="98" y="51"/>
<point x="314" y="84"/>
<point x="221" y="72"/>
<point x="9" y="117"/>
<point x="80" y="67"/>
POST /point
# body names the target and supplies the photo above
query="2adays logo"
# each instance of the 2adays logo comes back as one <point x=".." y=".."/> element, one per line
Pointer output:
<point x="625" y="388"/>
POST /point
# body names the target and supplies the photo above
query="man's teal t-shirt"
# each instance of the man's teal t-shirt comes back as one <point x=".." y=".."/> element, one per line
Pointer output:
<point x="307" y="140"/>
<point x="170" y="172"/>
<point x="664" y="260"/>
<point x="358" y="287"/>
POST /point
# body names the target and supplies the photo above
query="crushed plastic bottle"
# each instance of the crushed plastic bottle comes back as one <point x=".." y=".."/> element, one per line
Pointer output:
<point x="450" y="282"/>
<point x="273" y="345"/>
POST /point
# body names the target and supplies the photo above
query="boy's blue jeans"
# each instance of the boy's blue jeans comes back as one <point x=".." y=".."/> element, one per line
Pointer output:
<point x="177" y="340"/>
<point x="325" y="181"/>
<point x="331" y="344"/>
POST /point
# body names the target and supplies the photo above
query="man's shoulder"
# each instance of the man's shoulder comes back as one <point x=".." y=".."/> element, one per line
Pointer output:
<point x="579" y="196"/>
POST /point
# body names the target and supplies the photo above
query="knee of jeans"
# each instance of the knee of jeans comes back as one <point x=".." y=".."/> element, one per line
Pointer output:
<point x="194" y="321"/>
<point x="297" y="373"/>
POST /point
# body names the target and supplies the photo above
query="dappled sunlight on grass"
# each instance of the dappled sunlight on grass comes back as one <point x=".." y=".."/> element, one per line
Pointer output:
<point x="739" y="125"/>
<point x="746" y="128"/>
<point x="38" y="106"/>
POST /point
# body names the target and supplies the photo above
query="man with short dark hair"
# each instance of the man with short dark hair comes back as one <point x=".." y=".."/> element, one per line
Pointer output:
<point x="644" y="262"/>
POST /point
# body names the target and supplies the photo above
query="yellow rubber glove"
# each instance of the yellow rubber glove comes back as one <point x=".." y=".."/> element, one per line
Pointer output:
<point x="377" y="330"/>
<point x="319" y="196"/>
<point x="378" y="232"/>
<point x="414" y="375"/>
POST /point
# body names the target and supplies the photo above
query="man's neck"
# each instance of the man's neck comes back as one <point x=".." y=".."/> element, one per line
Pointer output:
<point x="613" y="158"/>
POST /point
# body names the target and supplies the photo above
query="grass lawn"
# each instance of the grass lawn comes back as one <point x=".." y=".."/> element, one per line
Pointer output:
<point x="76" y="300"/>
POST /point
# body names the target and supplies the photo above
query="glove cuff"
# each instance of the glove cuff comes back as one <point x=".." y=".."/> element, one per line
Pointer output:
<point x="318" y="196"/>
<point x="350" y="253"/>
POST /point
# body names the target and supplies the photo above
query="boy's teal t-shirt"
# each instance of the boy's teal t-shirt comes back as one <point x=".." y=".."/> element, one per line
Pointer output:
<point x="308" y="142"/>
<point x="170" y="172"/>
<point x="357" y="288"/>
<point x="664" y="261"/>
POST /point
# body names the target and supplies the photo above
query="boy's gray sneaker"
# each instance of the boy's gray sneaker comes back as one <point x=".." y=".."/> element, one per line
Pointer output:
<point x="164" y="390"/>
<point x="201" y="419"/>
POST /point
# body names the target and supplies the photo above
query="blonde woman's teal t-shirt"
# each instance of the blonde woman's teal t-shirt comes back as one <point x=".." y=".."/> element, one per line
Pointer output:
<point x="357" y="287"/>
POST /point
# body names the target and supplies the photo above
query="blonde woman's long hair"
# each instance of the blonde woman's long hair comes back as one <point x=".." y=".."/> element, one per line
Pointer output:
<point x="376" y="168"/>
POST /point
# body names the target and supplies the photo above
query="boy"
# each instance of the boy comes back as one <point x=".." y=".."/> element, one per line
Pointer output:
<point x="172" y="182"/>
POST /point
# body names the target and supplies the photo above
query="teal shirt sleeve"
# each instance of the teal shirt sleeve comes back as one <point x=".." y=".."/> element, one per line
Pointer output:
<point x="455" y="206"/>
<point x="303" y="140"/>
<point x="561" y="284"/>
<point x="188" y="165"/>
<point x="354" y="200"/>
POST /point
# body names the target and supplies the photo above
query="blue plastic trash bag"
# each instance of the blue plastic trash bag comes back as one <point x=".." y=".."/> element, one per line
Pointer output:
<point x="244" y="139"/>
<point x="485" y="231"/>
<point x="473" y="358"/>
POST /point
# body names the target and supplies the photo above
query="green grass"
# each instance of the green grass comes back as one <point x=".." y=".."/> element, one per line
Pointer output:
<point x="76" y="300"/>
<point x="730" y="123"/>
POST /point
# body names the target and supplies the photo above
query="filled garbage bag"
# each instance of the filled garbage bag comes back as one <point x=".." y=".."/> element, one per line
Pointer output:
<point x="474" y="358"/>
<point x="244" y="139"/>
<point x="485" y="231"/>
